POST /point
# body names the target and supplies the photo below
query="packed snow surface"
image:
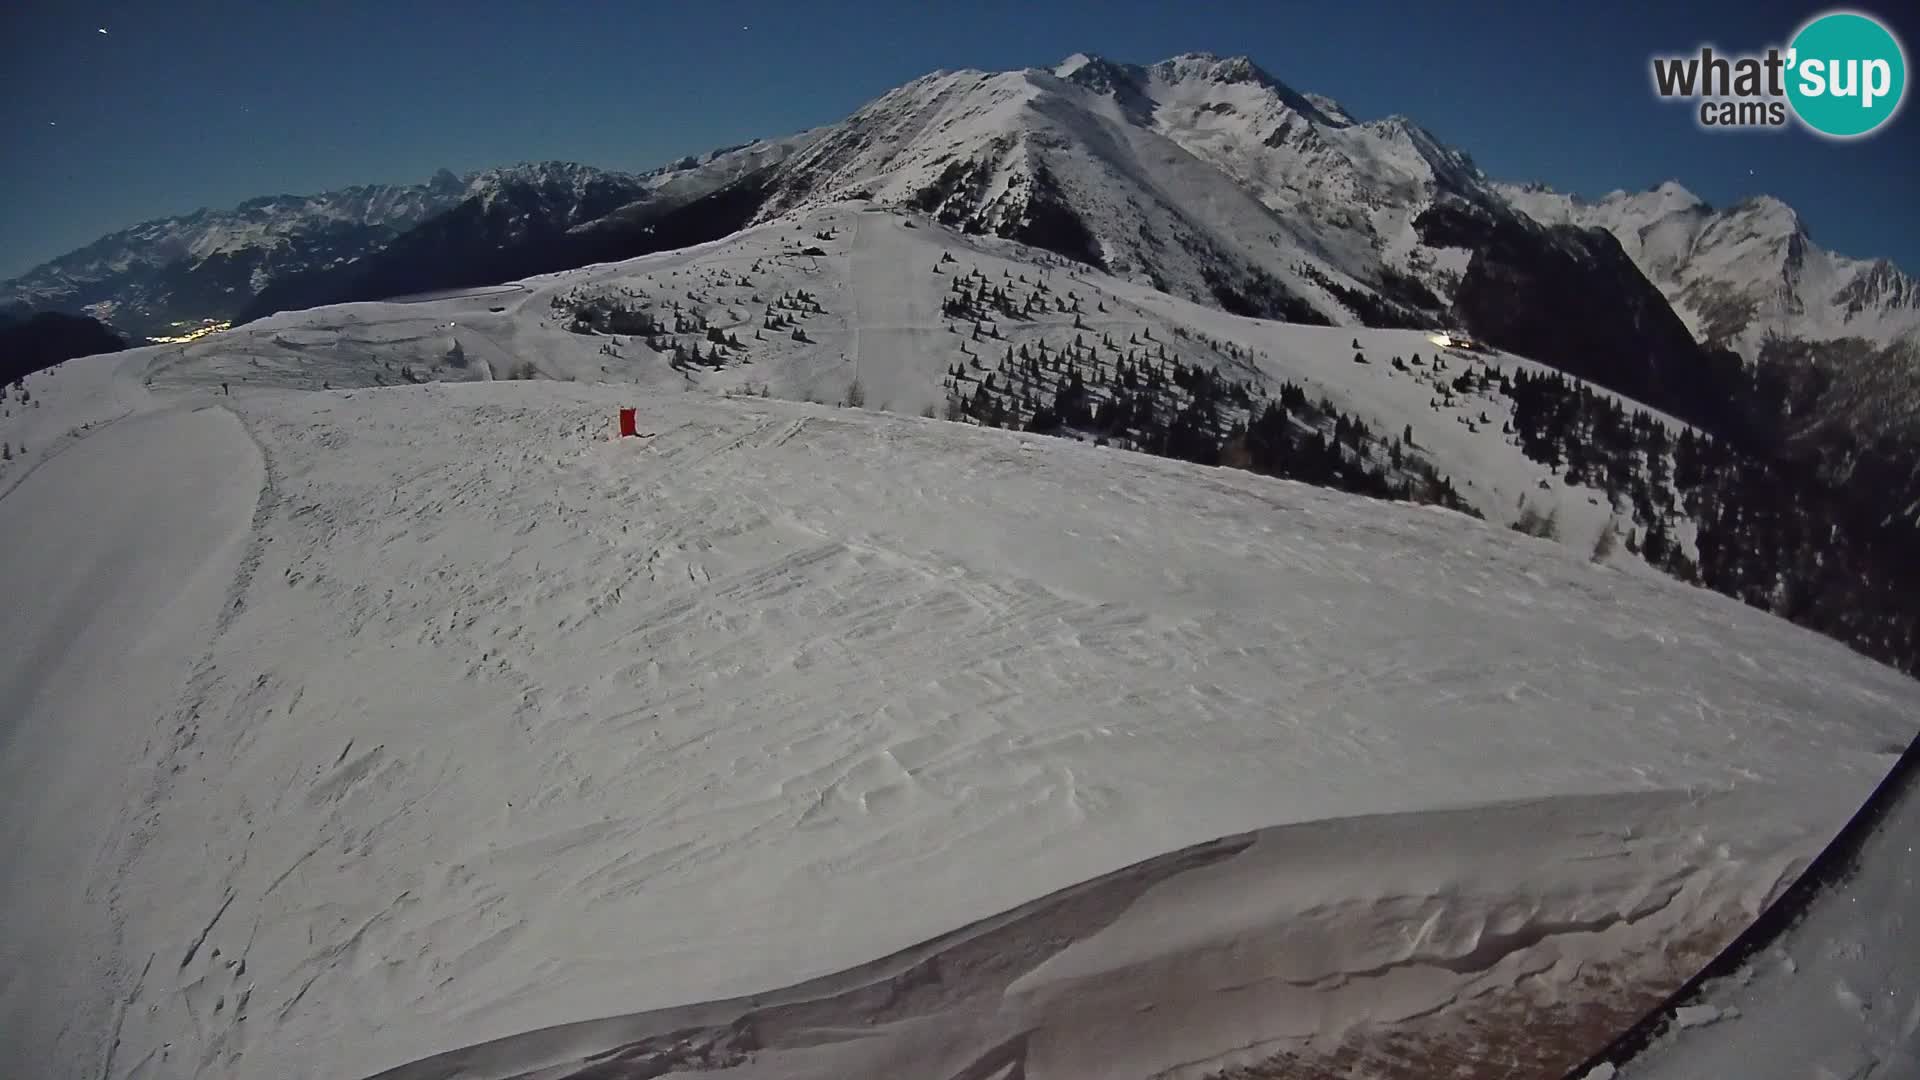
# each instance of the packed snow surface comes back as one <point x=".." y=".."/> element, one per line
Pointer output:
<point x="355" y="727"/>
<point x="1836" y="995"/>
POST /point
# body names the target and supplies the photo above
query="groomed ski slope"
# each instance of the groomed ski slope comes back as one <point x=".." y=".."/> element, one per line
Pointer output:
<point x="459" y="720"/>
<point x="118" y="553"/>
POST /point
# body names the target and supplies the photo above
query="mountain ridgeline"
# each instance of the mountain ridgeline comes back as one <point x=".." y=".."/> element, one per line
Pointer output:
<point x="170" y="275"/>
<point x="486" y="242"/>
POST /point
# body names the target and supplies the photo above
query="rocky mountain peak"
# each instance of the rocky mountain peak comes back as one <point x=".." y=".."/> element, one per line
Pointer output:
<point x="1767" y="215"/>
<point x="1673" y="193"/>
<point x="1210" y="67"/>
<point x="1098" y="74"/>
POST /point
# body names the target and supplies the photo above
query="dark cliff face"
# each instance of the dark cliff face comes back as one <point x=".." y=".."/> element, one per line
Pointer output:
<point x="1571" y="298"/>
<point x="1052" y="223"/>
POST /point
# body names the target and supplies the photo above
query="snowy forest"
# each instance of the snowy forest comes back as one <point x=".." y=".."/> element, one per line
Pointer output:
<point x="1777" y="532"/>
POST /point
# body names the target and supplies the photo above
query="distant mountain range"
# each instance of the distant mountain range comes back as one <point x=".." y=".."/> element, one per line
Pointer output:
<point x="537" y="219"/>
<point x="163" y="277"/>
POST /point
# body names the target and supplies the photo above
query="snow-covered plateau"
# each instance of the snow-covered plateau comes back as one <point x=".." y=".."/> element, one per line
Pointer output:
<point x="431" y="731"/>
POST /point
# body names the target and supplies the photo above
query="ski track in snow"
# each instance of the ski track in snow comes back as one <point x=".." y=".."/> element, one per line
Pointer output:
<point x="115" y="556"/>
<point x="495" y="724"/>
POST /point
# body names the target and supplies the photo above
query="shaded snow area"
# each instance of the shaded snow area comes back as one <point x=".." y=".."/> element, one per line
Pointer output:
<point x="352" y="728"/>
<point x="1836" y="995"/>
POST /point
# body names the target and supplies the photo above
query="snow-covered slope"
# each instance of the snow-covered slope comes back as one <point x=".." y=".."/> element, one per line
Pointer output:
<point x="358" y="726"/>
<point x="1349" y="186"/>
<point x="881" y="281"/>
<point x="558" y="187"/>
<point x="1743" y="273"/>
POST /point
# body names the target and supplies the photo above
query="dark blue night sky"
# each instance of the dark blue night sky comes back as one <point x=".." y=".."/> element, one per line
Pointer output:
<point x="195" y="104"/>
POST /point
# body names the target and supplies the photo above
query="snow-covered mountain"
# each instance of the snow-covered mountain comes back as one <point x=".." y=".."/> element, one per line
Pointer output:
<point x="1200" y="175"/>
<point x="1210" y="178"/>
<point x="430" y="728"/>
<point x="1835" y="341"/>
<point x="1744" y="273"/>
<point x="1203" y="176"/>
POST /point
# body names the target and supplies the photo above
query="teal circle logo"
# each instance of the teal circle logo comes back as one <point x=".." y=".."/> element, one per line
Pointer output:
<point x="1847" y="74"/>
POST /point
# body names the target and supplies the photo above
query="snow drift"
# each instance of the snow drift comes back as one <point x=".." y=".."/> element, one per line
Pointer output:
<point x="1394" y="944"/>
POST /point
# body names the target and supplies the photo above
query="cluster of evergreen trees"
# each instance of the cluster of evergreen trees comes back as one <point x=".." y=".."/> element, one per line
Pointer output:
<point x="1774" y="532"/>
<point x="1590" y="439"/>
<point x="607" y="315"/>
<point x="1402" y="301"/>
<point x="1138" y="395"/>
<point x="626" y="311"/>
<point x="1316" y="443"/>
